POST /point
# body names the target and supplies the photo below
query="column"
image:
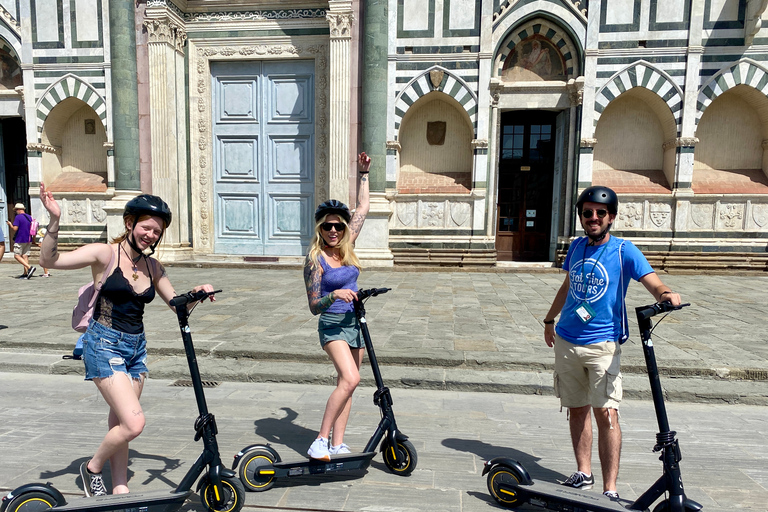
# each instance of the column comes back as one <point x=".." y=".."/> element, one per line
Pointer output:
<point x="373" y="244"/>
<point x="340" y="19"/>
<point x="125" y="117"/>
<point x="165" y="48"/>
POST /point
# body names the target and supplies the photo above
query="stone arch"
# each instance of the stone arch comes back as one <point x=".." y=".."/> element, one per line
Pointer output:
<point x="545" y="29"/>
<point x="447" y="83"/>
<point x="642" y="74"/>
<point x="743" y="72"/>
<point x="11" y="72"/>
<point x="70" y="86"/>
<point x="436" y="154"/>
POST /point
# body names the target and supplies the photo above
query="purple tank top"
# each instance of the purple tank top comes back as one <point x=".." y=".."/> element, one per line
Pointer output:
<point x="336" y="279"/>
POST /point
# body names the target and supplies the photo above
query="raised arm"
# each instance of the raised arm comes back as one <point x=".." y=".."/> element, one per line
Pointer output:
<point x="93" y="255"/>
<point x="363" y="196"/>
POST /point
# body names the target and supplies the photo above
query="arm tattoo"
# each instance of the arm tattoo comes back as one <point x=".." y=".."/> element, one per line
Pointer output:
<point x="364" y="178"/>
<point x="356" y="224"/>
<point x="312" y="280"/>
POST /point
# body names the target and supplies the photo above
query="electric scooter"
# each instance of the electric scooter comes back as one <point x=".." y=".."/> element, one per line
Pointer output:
<point x="511" y="486"/>
<point x="220" y="489"/>
<point x="260" y="464"/>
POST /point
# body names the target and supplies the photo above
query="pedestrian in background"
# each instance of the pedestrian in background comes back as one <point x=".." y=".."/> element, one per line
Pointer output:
<point x="2" y="244"/>
<point x="330" y="275"/>
<point x="593" y="325"/>
<point x="22" y="239"/>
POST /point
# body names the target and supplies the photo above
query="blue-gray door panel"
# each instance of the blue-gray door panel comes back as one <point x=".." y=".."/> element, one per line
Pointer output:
<point x="263" y="157"/>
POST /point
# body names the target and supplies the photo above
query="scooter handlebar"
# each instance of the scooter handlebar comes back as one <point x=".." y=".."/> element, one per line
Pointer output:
<point x="654" y="309"/>
<point x="188" y="297"/>
<point x="371" y="292"/>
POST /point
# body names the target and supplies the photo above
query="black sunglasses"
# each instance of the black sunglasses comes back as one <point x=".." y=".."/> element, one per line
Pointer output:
<point x="587" y="214"/>
<point x="327" y="226"/>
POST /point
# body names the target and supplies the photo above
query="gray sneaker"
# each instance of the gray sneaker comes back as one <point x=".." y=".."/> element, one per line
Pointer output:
<point x="579" y="480"/>
<point x="93" y="483"/>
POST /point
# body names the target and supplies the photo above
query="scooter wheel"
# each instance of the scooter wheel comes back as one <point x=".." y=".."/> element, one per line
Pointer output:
<point x="31" y="502"/>
<point x="234" y="495"/>
<point x="406" y="453"/>
<point x="499" y="480"/>
<point x="249" y="470"/>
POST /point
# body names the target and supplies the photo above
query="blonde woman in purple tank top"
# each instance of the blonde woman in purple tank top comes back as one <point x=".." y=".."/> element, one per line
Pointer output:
<point x="330" y="275"/>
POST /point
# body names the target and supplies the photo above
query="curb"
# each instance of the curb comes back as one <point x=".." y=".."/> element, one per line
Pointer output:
<point x="534" y="382"/>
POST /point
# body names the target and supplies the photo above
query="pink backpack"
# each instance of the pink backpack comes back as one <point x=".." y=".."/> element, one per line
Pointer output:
<point x="86" y="299"/>
<point x="33" y="227"/>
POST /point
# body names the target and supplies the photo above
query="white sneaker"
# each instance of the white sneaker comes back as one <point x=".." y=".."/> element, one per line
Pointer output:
<point x="339" y="450"/>
<point x="319" y="449"/>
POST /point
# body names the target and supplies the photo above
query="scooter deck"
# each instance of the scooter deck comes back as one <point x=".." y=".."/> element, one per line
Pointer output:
<point x="346" y="462"/>
<point x="153" y="501"/>
<point x="560" y="497"/>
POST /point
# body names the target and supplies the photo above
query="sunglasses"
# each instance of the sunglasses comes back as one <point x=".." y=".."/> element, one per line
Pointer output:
<point x="587" y="214"/>
<point x="338" y="226"/>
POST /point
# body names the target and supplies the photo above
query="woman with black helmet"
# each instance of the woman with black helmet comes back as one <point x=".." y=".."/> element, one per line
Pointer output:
<point x="330" y="275"/>
<point x="115" y="349"/>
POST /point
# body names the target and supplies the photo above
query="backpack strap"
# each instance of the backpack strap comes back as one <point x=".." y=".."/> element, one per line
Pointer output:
<point x="104" y="276"/>
<point x="624" y="321"/>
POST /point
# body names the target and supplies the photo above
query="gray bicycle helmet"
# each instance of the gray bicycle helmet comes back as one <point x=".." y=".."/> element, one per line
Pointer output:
<point x="600" y="195"/>
<point x="146" y="204"/>
<point x="332" y="207"/>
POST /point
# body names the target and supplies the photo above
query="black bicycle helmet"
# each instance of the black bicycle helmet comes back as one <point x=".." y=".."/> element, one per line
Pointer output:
<point x="332" y="207"/>
<point x="146" y="204"/>
<point x="601" y="195"/>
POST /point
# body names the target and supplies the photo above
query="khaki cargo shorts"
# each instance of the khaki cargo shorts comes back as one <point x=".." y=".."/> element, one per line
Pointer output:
<point x="588" y="374"/>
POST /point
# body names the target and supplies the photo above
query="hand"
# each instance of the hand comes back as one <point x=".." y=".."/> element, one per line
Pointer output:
<point x="50" y="204"/>
<point x="672" y="297"/>
<point x="549" y="334"/>
<point x="207" y="288"/>
<point x="363" y="163"/>
<point x="344" y="294"/>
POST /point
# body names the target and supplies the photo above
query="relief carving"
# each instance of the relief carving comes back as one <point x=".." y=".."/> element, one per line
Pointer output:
<point x="76" y="211"/>
<point x="406" y="213"/>
<point x="460" y="213"/>
<point x="630" y="215"/>
<point x="97" y="211"/>
<point x="731" y="215"/>
<point x="660" y="214"/>
<point x="701" y="215"/>
<point x="760" y="214"/>
<point x="341" y="25"/>
<point x="433" y="213"/>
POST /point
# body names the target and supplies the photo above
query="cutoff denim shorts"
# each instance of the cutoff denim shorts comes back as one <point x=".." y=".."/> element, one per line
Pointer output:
<point x="339" y="326"/>
<point x="107" y="351"/>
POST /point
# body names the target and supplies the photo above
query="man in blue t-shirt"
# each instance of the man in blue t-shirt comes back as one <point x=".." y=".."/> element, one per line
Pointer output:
<point x="22" y="239"/>
<point x="592" y="326"/>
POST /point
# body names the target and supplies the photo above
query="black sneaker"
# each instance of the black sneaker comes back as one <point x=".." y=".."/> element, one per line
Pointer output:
<point x="611" y="494"/>
<point x="31" y="272"/>
<point x="93" y="483"/>
<point x="580" y="481"/>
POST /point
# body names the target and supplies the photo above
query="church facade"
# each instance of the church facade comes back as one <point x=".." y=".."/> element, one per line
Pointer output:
<point x="484" y="118"/>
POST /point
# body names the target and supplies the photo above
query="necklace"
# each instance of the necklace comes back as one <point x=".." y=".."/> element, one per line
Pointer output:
<point x="134" y="264"/>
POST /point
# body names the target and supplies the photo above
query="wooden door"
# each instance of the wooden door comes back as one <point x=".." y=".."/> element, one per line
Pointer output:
<point x="524" y="201"/>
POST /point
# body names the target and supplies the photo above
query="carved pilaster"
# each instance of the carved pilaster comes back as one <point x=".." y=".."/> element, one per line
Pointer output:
<point x="479" y="143"/>
<point x="588" y="143"/>
<point x="393" y="144"/>
<point x="166" y="31"/>
<point x="339" y="89"/>
<point x="680" y="142"/>
<point x="340" y="24"/>
<point x="575" y="88"/>
<point x="20" y="91"/>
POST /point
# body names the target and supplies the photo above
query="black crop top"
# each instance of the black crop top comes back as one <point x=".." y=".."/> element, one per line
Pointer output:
<point x="119" y="306"/>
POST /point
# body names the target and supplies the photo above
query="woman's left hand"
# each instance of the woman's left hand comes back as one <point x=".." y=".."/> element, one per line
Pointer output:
<point x="206" y="287"/>
<point x="363" y="163"/>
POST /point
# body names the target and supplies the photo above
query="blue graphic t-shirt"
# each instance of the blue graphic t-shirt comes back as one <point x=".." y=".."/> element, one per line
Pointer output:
<point x="600" y="276"/>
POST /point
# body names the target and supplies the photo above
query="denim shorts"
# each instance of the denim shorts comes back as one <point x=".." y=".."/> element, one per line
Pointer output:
<point x="106" y="351"/>
<point x="339" y="326"/>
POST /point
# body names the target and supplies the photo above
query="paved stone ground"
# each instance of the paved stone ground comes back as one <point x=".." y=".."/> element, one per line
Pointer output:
<point x="52" y="423"/>
<point x="450" y="329"/>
